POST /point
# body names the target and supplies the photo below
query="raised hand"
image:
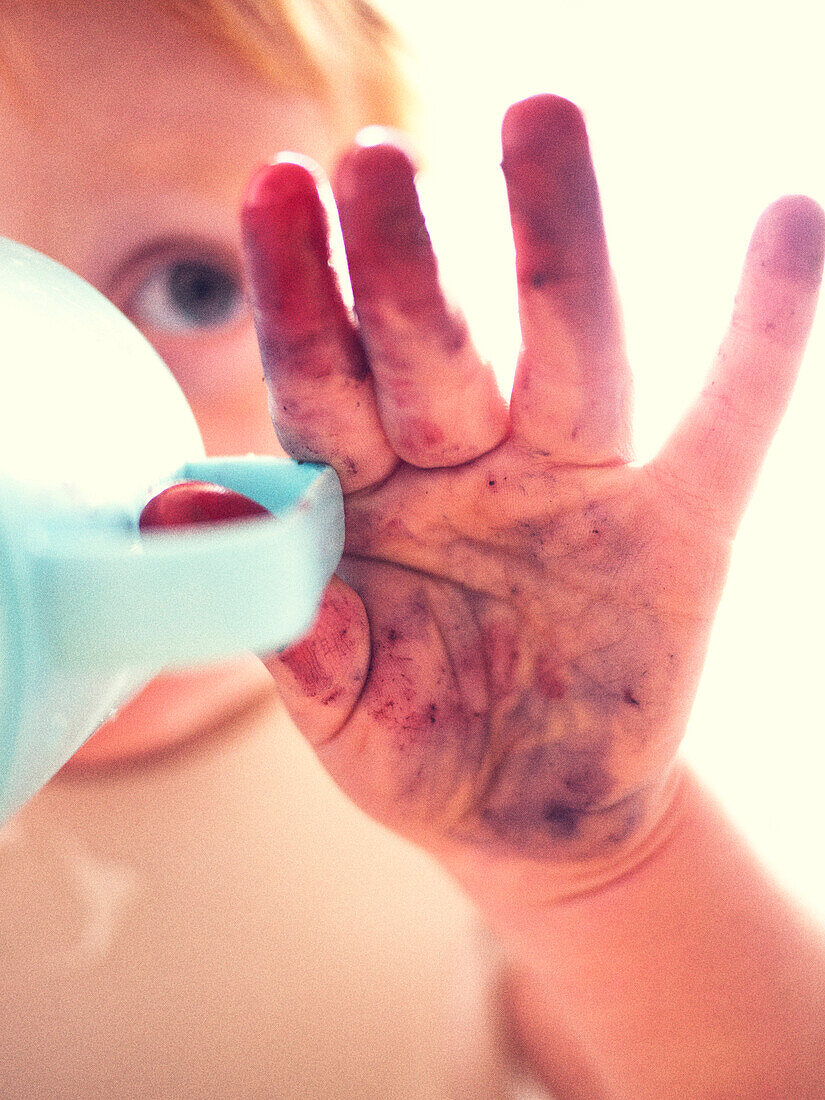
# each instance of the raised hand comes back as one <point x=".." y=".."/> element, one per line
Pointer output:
<point x="504" y="670"/>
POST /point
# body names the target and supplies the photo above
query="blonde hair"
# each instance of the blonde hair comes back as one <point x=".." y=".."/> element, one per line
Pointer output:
<point x="342" y="53"/>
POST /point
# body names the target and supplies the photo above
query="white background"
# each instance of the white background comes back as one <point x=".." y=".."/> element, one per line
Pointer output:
<point x="699" y="115"/>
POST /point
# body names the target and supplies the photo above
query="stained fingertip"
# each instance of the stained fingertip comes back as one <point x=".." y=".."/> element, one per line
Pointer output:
<point x="286" y="242"/>
<point x="282" y="214"/>
<point x="379" y="167"/>
<point x="282" y="183"/>
<point x="535" y="120"/>
<point x="388" y="246"/>
<point x="790" y="239"/>
<point x="552" y="192"/>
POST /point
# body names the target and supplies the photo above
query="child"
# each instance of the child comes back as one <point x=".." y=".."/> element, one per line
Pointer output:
<point x="501" y="672"/>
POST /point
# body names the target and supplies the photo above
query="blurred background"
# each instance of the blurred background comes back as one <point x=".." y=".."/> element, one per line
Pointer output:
<point x="699" y="116"/>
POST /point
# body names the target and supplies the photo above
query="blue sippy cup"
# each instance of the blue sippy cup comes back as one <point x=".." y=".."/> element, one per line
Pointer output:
<point x="92" y="426"/>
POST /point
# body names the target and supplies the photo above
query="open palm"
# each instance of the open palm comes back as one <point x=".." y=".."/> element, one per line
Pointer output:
<point x="507" y="659"/>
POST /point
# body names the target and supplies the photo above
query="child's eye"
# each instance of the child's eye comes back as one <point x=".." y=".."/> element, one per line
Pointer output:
<point x="185" y="294"/>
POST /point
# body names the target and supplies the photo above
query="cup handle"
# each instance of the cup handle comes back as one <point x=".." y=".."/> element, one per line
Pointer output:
<point x="165" y="598"/>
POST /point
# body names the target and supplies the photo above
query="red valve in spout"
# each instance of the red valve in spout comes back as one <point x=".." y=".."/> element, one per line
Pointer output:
<point x="193" y="502"/>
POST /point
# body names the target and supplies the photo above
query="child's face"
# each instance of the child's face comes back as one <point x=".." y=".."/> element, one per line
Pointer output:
<point x="130" y="172"/>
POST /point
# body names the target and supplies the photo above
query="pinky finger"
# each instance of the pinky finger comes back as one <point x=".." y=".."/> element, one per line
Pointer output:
<point x="713" y="458"/>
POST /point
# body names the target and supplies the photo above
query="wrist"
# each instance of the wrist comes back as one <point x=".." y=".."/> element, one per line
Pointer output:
<point x="691" y="957"/>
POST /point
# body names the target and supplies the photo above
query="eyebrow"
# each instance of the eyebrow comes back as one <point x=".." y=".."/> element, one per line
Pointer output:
<point x="190" y="164"/>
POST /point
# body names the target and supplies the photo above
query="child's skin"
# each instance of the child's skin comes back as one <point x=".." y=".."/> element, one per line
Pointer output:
<point x="505" y="668"/>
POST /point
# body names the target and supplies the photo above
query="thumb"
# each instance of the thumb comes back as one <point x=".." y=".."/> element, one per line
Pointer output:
<point x="321" y="677"/>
